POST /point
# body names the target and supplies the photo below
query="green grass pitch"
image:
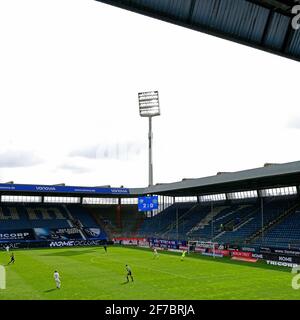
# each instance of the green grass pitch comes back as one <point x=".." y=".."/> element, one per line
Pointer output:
<point x="89" y="273"/>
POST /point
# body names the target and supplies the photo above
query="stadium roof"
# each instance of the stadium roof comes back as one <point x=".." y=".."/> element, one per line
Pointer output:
<point x="262" y="24"/>
<point x="269" y="176"/>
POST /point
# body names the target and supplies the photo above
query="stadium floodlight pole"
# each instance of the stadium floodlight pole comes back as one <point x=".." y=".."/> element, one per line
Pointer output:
<point x="149" y="107"/>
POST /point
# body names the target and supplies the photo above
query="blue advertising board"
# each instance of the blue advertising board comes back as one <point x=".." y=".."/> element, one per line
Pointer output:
<point x="60" y="189"/>
<point x="147" y="203"/>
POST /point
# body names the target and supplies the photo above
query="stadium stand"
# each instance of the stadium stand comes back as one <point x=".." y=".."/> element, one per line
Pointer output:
<point x="16" y="217"/>
<point x="79" y="214"/>
<point x="166" y="219"/>
<point x="224" y="223"/>
<point x="285" y="233"/>
<point x="117" y="220"/>
<point x="252" y="222"/>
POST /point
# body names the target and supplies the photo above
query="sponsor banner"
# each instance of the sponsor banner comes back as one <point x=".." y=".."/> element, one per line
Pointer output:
<point x="206" y="245"/>
<point x="61" y="189"/>
<point x="22" y="234"/>
<point x="167" y="244"/>
<point x="211" y="254"/>
<point x="224" y="253"/>
<point x="144" y="245"/>
<point x="57" y="234"/>
<point x="282" y="258"/>
<point x="232" y="248"/>
<point x="74" y="243"/>
<point x="200" y="250"/>
<point x="287" y="252"/>
<point x="183" y="248"/>
<point x="265" y="250"/>
<point x="12" y="245"/>
<point x="257" y="256"/>
<point x="94" y="233"/>
<point x="44" y="244"/>
<point x="27" y="244"/>
<point x="175" y="250"/>
<point x="241" y="254"/>
<point x="284" y="251"/>
<point x="141" y="242"/>
<point x="160" y="248"/>
<point x="129" y="239"/>
<point x="282" y="264"/>
<point x="248" y="249"/>
<point x="241" y="258"/>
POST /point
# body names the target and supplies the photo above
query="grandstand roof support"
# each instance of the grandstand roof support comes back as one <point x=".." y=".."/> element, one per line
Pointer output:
<point x="192" y="7"/>
<point x="288" y="38"/>
<point x="267" y="26"/>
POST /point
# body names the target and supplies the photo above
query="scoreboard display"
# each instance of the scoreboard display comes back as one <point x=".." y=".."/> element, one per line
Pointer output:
<point x="148" y="203"/>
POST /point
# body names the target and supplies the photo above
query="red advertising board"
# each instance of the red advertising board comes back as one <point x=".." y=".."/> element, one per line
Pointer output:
<point x="225" y="253"/>
<point x="132" y="241"/>
<point x="183" y="248"/>
<point x="241" y="254"/>
<point x="244" y="259"/>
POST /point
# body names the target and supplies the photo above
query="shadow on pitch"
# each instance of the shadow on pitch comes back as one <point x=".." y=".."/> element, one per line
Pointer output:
<point x="68" y="253"/>
<point x="50" y="290"/>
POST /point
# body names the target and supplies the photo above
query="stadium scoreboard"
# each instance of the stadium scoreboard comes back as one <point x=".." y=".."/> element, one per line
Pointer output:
<point x="148" y="203"/>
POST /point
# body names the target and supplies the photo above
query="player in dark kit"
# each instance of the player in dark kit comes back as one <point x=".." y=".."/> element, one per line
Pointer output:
<point x="129" y="273"/>
<point x="12" y="259"/>
<point x="105" y="248"/>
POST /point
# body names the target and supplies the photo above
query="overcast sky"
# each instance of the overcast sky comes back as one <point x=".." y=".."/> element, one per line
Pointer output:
<point x="70" y="71"/>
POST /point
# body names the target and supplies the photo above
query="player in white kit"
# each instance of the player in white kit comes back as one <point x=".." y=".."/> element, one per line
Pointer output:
<point x="155" y="253"/>
<point x="7" y="248"/>
<point x="57" y="279"/>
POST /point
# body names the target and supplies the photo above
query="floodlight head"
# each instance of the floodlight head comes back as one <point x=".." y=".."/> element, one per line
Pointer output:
<point x="149" y="104"/>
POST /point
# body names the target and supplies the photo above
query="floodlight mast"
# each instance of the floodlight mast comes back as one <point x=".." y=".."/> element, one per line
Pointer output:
<point x="150" y="138"/>
<point x="149" y="107"/>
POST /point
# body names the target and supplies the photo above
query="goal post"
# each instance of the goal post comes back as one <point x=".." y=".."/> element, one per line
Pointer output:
<point x="198" y="246"/>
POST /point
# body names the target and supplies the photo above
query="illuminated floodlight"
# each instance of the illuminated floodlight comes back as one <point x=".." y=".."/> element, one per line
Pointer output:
<point x="149" y="104"/>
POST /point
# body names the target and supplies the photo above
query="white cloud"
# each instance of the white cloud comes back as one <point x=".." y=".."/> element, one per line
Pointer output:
<point x="19" y="158"/>
<point x="74" y="168"/>
<point x="119" y="151"/>
<point x="294" y="122"/>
